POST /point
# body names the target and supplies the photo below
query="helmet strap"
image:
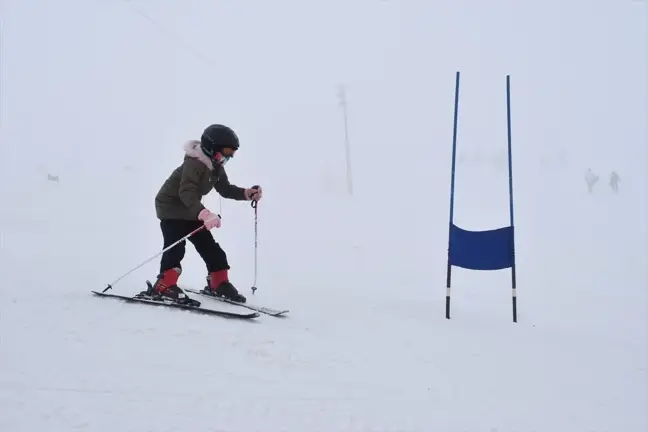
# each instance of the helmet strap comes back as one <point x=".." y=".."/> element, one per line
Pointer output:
<point x="206" y="152"/>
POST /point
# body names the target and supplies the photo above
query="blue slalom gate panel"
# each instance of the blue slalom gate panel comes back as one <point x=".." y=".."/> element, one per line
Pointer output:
<point x="482" y="250"/>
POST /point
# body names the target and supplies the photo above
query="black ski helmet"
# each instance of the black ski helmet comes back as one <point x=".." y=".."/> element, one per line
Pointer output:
<point x="217" y="137"/>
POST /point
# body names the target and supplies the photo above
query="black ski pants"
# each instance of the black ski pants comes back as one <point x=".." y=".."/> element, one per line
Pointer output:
<point x="174" y="229"/>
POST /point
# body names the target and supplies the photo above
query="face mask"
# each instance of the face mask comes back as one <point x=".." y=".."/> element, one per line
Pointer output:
<point x="221" y="160"/>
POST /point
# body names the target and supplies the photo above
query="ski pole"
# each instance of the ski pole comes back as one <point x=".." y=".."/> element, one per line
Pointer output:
<point x="154" y="256"/>
<point x="254" y="206"/>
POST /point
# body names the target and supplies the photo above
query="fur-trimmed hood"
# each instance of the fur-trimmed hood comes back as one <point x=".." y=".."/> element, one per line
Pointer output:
<point x="192" y="149"/>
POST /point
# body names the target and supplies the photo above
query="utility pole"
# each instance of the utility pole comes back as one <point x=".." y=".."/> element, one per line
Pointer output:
<point x="347" y="145"/>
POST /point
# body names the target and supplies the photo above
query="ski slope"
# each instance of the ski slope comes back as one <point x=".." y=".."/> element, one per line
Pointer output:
<point x="104" y="93"/>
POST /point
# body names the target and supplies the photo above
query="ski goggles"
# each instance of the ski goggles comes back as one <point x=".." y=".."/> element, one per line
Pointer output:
<point x="224" y="155"/>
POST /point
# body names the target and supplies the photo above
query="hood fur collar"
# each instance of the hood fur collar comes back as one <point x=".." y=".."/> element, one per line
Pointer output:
<point x="192" y="149"/>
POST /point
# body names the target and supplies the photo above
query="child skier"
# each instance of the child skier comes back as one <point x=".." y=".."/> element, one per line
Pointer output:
<point x="179" y="208"/>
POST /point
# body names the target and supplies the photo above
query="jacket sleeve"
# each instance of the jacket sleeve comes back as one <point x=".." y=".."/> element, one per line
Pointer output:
<point x="189" y="190"/>
<point x="226" y="189"/>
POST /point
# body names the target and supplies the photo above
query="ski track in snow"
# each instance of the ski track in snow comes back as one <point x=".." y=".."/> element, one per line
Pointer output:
<point x="71" y="361"/>
<point x="380" y="372"/>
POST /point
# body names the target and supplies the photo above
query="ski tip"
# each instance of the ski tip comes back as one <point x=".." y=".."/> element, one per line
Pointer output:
<point x="281" y="314"/>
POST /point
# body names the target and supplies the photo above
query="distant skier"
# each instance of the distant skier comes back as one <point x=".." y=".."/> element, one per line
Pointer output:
<point x="179" y="208"/>
<point x="591" y="180"/>
<point x="614" y="181"/>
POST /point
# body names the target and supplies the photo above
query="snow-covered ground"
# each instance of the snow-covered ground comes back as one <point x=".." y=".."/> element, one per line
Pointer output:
<point x="104" y="93"/>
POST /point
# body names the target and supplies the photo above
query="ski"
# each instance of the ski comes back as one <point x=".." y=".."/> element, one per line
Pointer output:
<point x="262" y="309"/>
<point x="148" y="300"/>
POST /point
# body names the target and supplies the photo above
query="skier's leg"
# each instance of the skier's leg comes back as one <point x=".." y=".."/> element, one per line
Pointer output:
<point x="212" y="254"/>
<point x="172" y="231"/>
<point x="217" y="266"/>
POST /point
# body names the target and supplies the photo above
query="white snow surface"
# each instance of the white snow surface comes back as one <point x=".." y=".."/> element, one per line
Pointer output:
<point x="103" y="94"/>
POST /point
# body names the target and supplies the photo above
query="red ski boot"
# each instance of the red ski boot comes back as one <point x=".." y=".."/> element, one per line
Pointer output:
<point x="166" y="287"/>
<point x="218" y="284"/>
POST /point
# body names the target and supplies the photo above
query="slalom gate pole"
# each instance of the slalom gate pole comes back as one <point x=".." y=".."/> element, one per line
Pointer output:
<point x="510" y="170"/>
<point x="452" y="194"/>
<point x="154" y="256"/>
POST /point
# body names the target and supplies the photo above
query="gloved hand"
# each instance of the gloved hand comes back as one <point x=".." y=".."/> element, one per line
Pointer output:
<point x="254" y="193"/>
<point x="210" y="219"/>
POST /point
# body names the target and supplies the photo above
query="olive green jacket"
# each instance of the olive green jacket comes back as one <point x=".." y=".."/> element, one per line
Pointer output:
<point x="181" y="194"/>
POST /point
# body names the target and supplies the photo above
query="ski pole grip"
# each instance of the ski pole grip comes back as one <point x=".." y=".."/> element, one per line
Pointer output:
<point x="253" y="204"/>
